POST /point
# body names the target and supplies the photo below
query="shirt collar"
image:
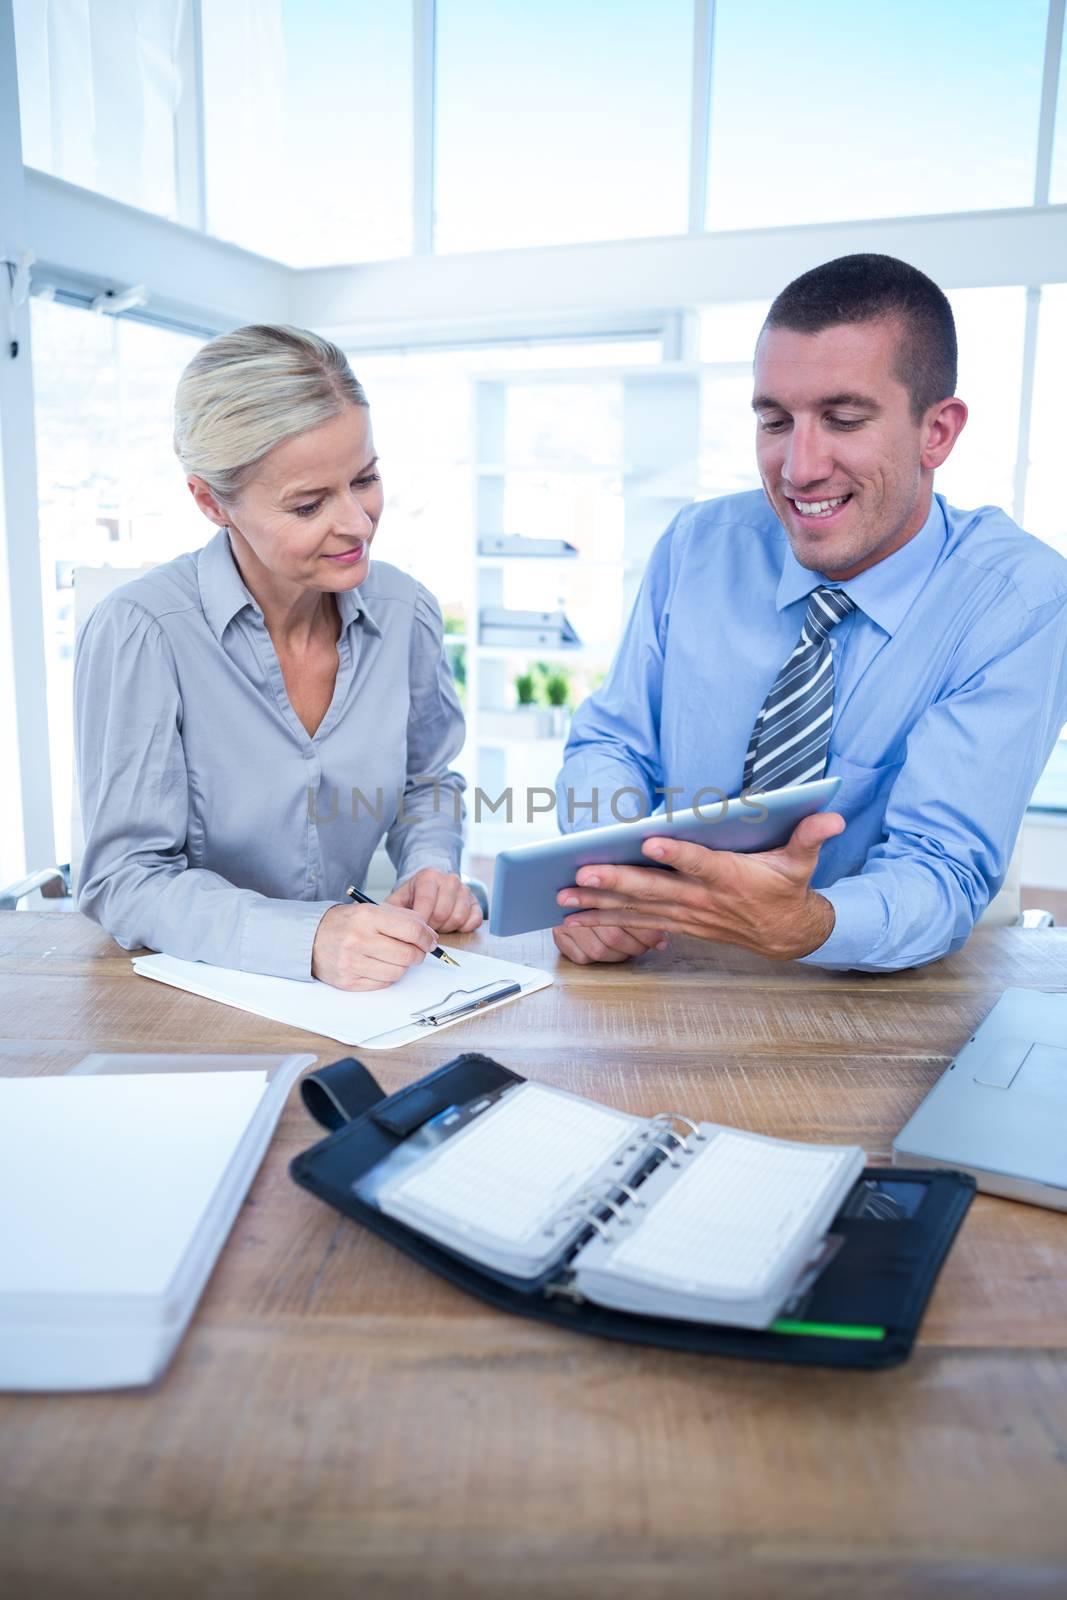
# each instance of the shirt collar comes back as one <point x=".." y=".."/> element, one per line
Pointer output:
<point x="885" y="591"/>
<point x="223" y="592"/>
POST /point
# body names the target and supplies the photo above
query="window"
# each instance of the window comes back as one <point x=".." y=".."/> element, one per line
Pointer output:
<point x="421" y="413"/>
<point x="1045" y="513"/>
<point x="728" y="334"/>
<point x="560" y="122"/>
<point x="99" y="90"/>
<point x="1045" y="506"/>
<point x="1058" y="185"/>
<point x="989" y="330"/>
<point x="552" y="469"/>
<point x="892" y="108"/>
<point x="307" y="128"/>
<point x="110" y="490"/>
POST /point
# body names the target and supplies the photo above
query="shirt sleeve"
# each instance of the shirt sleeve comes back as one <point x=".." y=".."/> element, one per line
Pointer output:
<point x="612" y="768"/>
<point x="954" y="812"/>
<point x="428" y="831"/>
<point x="135" y="879"/>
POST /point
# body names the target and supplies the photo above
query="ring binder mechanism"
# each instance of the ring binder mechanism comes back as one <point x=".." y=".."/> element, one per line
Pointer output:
<point x="678" y="1116"/>
<point x="668" y="1153"/>
<point x="662" y="1120"/>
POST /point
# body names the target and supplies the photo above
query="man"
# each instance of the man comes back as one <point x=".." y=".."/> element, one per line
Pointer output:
<point x="850" y="623"/>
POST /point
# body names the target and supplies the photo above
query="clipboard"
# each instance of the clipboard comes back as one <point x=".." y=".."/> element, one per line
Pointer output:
<point x="427" y="999"/>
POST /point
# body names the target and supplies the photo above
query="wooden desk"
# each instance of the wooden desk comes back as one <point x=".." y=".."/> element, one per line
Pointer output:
<point x="339" y="1422"/>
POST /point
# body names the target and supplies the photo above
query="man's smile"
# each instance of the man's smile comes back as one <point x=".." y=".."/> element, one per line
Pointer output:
<point x="822" y="510"/>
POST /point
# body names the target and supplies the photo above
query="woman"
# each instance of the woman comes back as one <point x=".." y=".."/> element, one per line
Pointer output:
<point x="251" y="717"/>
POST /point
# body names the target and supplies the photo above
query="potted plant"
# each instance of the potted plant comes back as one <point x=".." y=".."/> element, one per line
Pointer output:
<point x="557" y="687"/>
<point x="525" y="689"/>
<point x="528" y="719"/>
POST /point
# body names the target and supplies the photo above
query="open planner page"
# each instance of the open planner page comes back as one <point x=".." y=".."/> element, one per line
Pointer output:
<point x="496" y="1190"/>
<point x="723" y="1234"/>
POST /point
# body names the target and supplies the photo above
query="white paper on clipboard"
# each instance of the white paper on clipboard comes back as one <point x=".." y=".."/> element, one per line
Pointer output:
<point x="383" y="1019"/>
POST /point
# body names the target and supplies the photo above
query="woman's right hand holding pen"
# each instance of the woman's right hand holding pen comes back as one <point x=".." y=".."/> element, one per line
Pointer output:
<point x="362" y="947"/>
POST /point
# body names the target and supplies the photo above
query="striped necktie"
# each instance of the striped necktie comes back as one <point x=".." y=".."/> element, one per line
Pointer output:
<point x="792" y="732"/>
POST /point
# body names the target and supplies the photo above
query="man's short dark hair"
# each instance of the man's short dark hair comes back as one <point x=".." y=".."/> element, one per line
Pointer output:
<point x="871" y="288"/>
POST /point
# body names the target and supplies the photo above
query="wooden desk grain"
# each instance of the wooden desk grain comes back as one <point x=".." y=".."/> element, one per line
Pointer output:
<point x="339" y="1422"/>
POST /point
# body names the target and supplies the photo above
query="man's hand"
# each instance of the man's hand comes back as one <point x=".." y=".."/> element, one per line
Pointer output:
<point x="583" y="945"/>
<point x="761" y="902"/>
<point x="439" y="898"/>
<point x="368" y="947"/>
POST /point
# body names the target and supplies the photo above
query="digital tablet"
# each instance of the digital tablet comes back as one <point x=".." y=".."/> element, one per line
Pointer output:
<point x="527" y="878"/>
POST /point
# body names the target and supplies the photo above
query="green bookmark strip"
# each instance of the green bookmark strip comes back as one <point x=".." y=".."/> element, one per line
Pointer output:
<point x="828" y="1330"/>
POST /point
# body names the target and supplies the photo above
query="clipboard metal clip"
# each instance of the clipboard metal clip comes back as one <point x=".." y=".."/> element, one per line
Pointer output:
<point x="432" y="1019"/>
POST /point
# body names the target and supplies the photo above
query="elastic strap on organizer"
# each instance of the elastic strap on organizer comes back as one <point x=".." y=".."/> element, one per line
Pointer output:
<point x="340" y="1092"/>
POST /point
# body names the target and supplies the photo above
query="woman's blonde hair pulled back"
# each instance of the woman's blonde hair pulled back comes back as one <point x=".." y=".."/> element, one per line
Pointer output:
<point x="247" y="391"/>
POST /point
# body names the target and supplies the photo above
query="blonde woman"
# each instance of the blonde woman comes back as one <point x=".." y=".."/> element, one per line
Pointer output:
<point x="252" y="717"/>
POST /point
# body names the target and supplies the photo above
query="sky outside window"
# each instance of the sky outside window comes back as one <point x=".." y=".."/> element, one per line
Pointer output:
<point x="561" y="121"/>
<point x="307" y="114"/>
<point x="838" y="111"/>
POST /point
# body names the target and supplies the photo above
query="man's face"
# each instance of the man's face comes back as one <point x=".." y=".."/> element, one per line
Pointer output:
<point x="843" y="463"/>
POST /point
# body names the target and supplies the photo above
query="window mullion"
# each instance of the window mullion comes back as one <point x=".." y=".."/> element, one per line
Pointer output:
<point x="423" y="130"/>
<point x="1050" y="83"/>
<point x="1026" y="402"/>
<point x="189" y="121"/>
<point x="700" y="112"/>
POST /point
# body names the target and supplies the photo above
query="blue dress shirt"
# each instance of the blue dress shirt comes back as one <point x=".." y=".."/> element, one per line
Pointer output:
<point x="950" y="691"/>
<point x="217" y="828"/>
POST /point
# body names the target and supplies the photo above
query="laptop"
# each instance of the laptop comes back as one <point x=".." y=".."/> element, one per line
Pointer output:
<point x="1000" y="1110"/>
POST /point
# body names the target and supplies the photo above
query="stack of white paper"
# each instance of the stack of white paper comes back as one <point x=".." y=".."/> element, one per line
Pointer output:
<point x="117" y="1192"/>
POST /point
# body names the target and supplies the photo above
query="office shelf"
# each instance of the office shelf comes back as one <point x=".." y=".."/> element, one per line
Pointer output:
<point x="644" y="452"/>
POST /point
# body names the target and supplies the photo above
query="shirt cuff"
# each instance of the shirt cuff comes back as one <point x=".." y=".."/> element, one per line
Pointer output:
<point x="442" y="863"/>
<point x="861" y="921"/>
<point x="278" y="936"/>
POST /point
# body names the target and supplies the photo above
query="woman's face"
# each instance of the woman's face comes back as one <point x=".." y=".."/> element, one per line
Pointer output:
<point x="310" y="511"/>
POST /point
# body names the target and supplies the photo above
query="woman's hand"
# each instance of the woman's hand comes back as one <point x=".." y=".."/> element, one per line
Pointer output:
<point x="368" y="947"/>
<point x="440" y="899"/>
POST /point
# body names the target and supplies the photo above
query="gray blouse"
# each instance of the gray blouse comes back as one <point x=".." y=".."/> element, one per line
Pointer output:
<point x="216" y="827"/>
